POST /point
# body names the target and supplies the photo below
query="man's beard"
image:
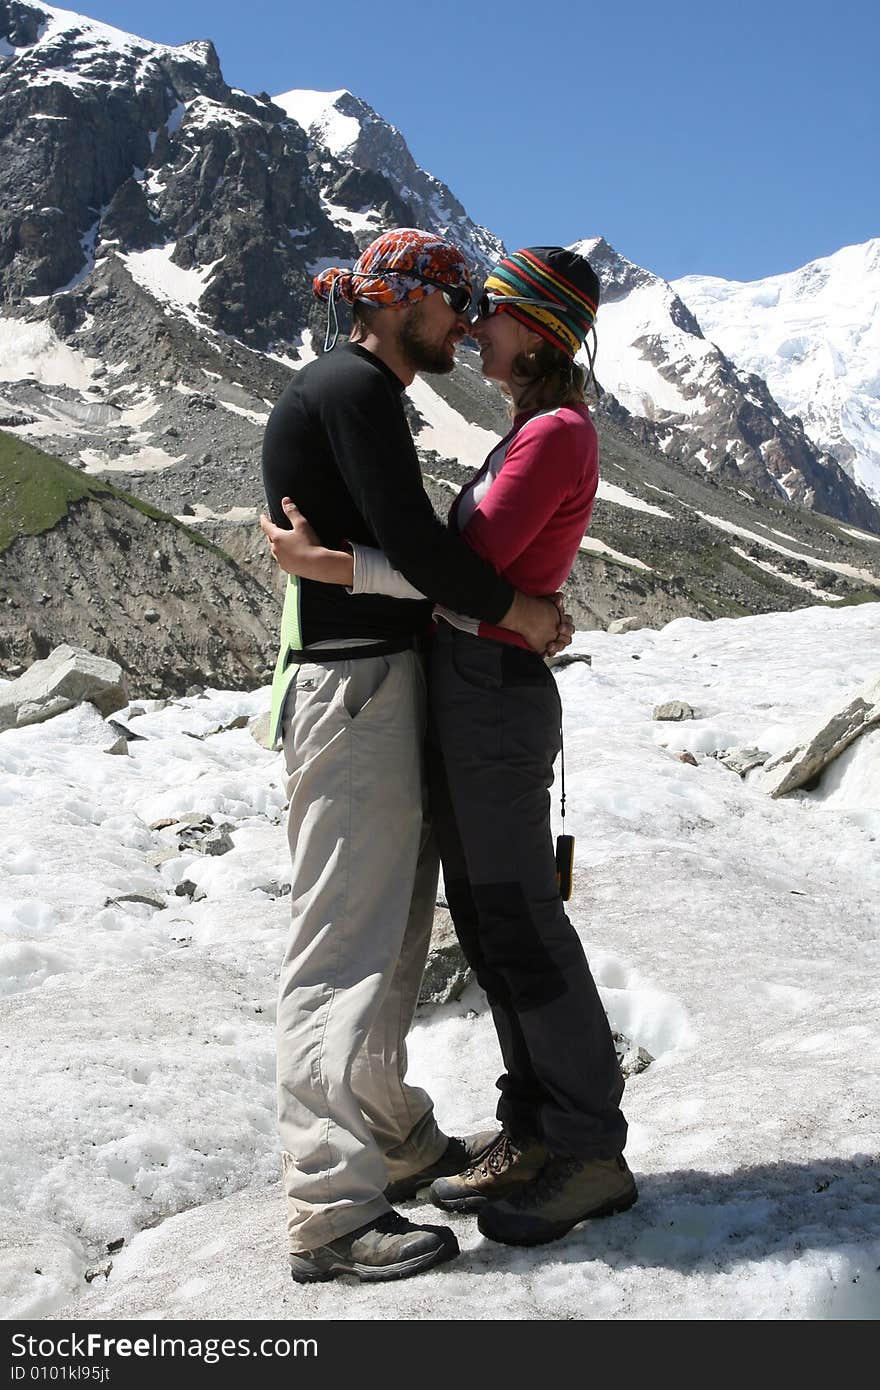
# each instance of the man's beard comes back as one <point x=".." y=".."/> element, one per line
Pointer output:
<point x="422" y="355"/>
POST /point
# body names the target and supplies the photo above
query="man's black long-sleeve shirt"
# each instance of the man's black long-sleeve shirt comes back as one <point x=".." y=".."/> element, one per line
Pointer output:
<point x="339" y="445"/>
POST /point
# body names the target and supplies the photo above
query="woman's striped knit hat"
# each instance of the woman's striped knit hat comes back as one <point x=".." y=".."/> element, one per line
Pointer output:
<point x="556" y="274"/>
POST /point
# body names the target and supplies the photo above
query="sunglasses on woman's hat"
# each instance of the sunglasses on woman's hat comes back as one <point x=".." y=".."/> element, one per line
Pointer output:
<point x="489" y="304"/>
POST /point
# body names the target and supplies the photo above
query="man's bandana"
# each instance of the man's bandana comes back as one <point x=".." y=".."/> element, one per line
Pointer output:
<point x="400" y="250"/>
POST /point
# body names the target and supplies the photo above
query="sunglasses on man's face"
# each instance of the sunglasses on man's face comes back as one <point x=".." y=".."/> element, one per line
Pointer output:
<point x="489" y="304"/>
<point x="458" y="297"/>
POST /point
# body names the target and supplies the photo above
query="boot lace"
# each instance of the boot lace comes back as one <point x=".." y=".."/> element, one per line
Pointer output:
<point x="499" y="1157"/>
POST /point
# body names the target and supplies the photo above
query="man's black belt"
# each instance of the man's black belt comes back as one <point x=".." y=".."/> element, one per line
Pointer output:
<point x="356" y="653"/>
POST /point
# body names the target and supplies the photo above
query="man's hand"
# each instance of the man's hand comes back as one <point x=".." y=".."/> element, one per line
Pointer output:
<point x="566" y="628"/>
<point x="535" y="619"/>
<point x="543" y="622"/>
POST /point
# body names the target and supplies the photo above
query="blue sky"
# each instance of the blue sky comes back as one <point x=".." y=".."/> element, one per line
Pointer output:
<point x="736" y="141"/>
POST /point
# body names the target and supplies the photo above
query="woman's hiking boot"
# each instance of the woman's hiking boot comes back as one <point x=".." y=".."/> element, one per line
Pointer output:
<point x="566" y="1191"/>
<point x="388" y="1248"/>
<point x="502" y="1169"/>
<point x="456" y="1156"/>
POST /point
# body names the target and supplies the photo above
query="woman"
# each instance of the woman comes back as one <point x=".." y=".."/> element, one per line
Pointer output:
<point x="495" y="734"/>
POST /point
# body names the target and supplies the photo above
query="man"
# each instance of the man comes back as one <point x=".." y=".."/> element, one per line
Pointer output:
<point x="349" y="700"/>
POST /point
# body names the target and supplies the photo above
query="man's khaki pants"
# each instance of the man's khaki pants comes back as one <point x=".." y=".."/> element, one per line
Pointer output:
<point x="363" y="890"/>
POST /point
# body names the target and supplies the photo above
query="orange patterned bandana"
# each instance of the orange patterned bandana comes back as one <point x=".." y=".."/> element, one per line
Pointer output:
<point x="379" y="275"/>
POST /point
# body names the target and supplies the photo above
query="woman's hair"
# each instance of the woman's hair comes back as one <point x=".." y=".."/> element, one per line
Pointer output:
<point x="547" y="379"/>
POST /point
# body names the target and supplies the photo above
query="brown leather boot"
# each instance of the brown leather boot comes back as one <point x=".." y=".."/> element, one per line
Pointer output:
<point x="388" y="1248"/>
<point x="503" y="1168"/>
<point x="454" y="1158"/>
<point x="566" y="1191"/>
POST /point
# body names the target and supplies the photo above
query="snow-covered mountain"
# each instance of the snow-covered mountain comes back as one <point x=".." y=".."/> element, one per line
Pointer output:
<point x="159" y="231"/>
<point x="698" y="404"/>
<point x="134" y="162"/>
<point x="814" y="336"/>
<point x="346" y="131"/>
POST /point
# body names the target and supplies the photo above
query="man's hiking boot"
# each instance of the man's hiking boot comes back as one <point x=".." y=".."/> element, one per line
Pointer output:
<point x="388" y="1248"/>
<point x="567" y="1190"/>
<point x="502" y="1169"/>
<point x="457" y="1155"/>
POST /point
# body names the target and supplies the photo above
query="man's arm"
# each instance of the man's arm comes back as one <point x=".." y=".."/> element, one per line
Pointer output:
<point x="377" y="459"/>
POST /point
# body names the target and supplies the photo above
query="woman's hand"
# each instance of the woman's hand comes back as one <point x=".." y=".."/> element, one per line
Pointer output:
<point x="299" y="551"/>
<point x="294" y="549"/>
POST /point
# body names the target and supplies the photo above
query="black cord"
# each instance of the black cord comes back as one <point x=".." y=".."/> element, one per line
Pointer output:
<point x="562" y="772"/>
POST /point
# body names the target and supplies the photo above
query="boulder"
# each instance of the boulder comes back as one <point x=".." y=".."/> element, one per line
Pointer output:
<point x="68" y="676"/>
<point x="621" y="625"/>
<point x="674" y="710"/>
<point x="446" y="972"/>
<point x="197" y="833"/>
<point x="742" y="760"/>
<point x="145" y="899"/>
<point x="633" y="1059"/>
<point x="124" y="732"/>
<point x="568" y="658"/>
<point x="259" y="729"/>
<point x="831" y="732"/>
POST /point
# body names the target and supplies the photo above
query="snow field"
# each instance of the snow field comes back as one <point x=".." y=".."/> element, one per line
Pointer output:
<point x="733" y="936"/>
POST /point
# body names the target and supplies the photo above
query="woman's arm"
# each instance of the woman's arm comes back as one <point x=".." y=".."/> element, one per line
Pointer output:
<point x="375" y="574"/>
<point x="299" y="551"/>
<point x="362" y="570"/>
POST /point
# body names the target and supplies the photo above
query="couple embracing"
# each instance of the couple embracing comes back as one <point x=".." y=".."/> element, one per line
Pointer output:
<point x="405" y="738"/>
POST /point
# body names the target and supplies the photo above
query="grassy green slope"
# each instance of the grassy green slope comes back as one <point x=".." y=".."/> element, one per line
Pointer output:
<point x="37" y="490"/>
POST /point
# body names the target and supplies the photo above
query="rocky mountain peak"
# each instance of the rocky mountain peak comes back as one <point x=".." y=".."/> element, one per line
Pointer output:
<point x="347" y="129"/>
<point x="116" y="149"/>
<point x="323" y="115"/>
<point x="203" y="51"/>
<point x="619" y="277"/>
<point x="50" y="44"/>
<point x="813" y="335"/>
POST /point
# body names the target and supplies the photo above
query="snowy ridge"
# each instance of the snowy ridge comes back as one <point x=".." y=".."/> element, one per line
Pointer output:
<point x="814" y="335"/>
<point x="657" y="362"/>
<point x="66" y="35"/>
<point x="317" y="113"/>
<point x="444" y="429"/>
<point x="351" y="132"/>
<point x="169" y="283"/>
<point x="637" y="307"/>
